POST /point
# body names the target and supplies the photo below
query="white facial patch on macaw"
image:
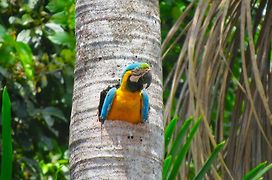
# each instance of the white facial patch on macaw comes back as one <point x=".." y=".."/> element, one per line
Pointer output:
<point x="137" y="74"/>
<point x="134" y="78"/>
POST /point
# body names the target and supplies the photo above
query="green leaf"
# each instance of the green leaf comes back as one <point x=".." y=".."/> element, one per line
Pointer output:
<point x="55" y="5"/>
<point x="14" y="20"/>
<point x="249" y="175"/>
<point x="8" y="39"/>
<point x="52" y="111"/>
<point x="169" y="130"/>
<point x="25" y="56"/>
<point x="200" y="175"/>
<point x="258" y="171"/>
<point x="166" y="165"/>
<point x="60" y="18"/>
<point x="24" y="36"/>
<point x="48" y="114"/>
<point x="52" y="28"/>
<point x="68" y="55"/>
<point x="6" y="58"/>
<point x="2" y="31"/>
<point x="182" y="153"/>
<point x="26" y="19"/>
<point x="4" y="72"/>
<point x="32" y="3"/>
<point x="58" y="5"/>
<point x="57" y="172"/>
<point x="175" y="12"/>
<point x="6" y="164"/>
<point x="62" y="38"/>
<point x="71" y="17"/>
<point x="45" y="143"/>
<point x="4" y="4"/>
<point x="262" y="172"/>
<point x="179" y="139"/>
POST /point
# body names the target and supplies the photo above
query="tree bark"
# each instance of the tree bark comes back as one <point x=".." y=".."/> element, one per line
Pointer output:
<point x="111" y="34"/>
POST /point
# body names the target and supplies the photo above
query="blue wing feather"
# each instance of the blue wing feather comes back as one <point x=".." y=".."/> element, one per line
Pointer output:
<point x="107" y="104"/>
<point x="145" y="106"/>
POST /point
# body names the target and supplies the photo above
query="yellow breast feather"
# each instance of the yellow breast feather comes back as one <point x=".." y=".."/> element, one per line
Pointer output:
<point x="126" y="105"/>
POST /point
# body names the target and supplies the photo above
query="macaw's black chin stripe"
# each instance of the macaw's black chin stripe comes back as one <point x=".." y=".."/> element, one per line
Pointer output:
<point x="135" y="86"/>
<point x="139" y="85"/>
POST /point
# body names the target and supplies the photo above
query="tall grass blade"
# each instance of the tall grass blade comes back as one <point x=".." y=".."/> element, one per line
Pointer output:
<point x="258" y="171"/>
<point x="262" y="172"/>
<point x="169" y="130"/>
<point x="179" y="139"/>
<point x="6" y="164"/>
<point x="166" y="165"/>
<point x="200" y="175"/>
<point x="183" y="151"/>
<point x="254" y="171"/>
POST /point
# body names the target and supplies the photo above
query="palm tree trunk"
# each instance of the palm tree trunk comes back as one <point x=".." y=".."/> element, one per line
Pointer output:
<point x="111" y="34"/>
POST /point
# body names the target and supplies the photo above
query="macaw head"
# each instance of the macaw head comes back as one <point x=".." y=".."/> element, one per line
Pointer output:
<point x="137" y="76"/>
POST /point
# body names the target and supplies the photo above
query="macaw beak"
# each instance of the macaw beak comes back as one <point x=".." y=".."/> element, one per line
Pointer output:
<point x="146" y="78"/>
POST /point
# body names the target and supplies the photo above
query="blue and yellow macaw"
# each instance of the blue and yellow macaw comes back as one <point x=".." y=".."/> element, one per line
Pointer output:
<point x="129" y="102"/>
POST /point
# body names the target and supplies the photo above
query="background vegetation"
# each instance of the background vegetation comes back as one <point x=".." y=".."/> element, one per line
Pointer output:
<point x="210" y="70"/>
<point x="37" y="55"/>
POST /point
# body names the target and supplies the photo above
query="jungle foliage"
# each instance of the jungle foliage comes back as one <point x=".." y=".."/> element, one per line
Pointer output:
<point x="37" y="55"/>
<point x="216" y="64"/>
